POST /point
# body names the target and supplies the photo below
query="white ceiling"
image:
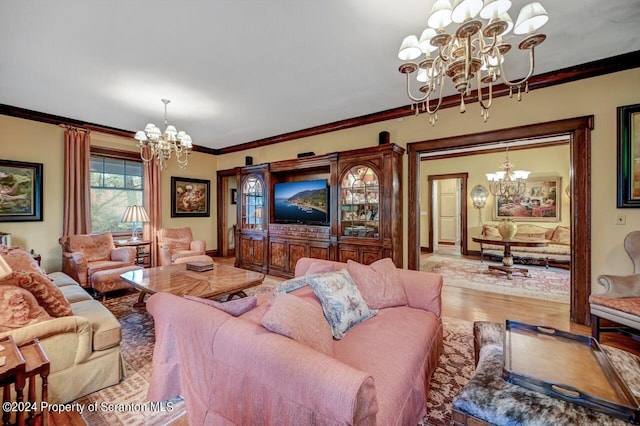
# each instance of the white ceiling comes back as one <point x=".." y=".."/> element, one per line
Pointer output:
<point x="242" y="70"/>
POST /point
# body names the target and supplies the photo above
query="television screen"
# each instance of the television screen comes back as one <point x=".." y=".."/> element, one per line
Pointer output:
<point x="304" y="201"/>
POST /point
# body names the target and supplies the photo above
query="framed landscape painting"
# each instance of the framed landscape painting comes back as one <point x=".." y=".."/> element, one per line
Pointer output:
<point x="189" y="197"/>
<point x="629" y="156"/>
<point x="20" y="191"/>
<point x="540" y="202"/>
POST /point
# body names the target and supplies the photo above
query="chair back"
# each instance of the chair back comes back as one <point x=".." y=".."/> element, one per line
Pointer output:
<point x="179" y="238"/>
<point x="94" y="246"/>
<point x="632" y="246"/>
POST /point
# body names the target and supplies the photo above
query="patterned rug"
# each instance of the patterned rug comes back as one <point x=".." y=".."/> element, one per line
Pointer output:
<point x="545" y="284"/>
<point x="454" y="369"/>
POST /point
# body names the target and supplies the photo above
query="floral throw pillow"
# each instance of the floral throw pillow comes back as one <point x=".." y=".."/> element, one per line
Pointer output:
<point x="342" y="303"/>
<point x="379" y="283"/>
<point x="19" y="308"/>
<point x="295" y="283"/>
<point x="234" y="307"/>
<point x="300" y="320"/>
<point x="46" y="293"/>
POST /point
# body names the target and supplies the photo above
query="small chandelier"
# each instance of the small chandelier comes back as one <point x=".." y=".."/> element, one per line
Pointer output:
<point x="471" y="51"/>
<point x="507" y="184"/>
<point x="163" y="145"/>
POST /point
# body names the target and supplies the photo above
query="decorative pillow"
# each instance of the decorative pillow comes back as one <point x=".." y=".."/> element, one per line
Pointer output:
<point x="342" y="303"/>
<point x="530" y="236"/>
<point x="234" y="307"/>
<point x="379" y="283"/>
<point x="299" y="320"/>
<point x="562" y="235"/>
<point x="490" y="231"/>
<point x="46" y="293"/>
<point x="20" y="260"/>
<point x="19" y="308"/>
<point x="295" y="283"/>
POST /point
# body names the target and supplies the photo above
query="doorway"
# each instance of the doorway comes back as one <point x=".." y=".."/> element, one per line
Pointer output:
<point x="578" y="131"/>
<point x="447" y="213"/>
<point x="227" y="185"/>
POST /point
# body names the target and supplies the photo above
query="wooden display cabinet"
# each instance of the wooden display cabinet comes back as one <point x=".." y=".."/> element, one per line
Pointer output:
<point x="253" y="217"/>
<point x="365" y="211"/>
<point x="370" y="204"/>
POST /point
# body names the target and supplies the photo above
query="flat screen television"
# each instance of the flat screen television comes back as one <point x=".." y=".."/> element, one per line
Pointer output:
<point x="305" y="201"/>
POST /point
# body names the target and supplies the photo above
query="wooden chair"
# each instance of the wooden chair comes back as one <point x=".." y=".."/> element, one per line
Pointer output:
<point x="620" y="302"/>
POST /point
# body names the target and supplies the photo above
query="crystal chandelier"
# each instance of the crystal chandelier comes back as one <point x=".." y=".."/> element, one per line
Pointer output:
<point x="473" y="50"/>
<point x="163" y="145"/>
<point x="507" y="184"/>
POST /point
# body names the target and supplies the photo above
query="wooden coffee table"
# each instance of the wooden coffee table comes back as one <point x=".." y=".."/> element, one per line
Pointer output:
<point x="222" y="280"/>
<point x="507" y="259"/>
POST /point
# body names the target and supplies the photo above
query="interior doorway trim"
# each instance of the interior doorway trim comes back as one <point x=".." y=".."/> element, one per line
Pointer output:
<point x="223" y="201"/>
<point x="463" y="207"/>
<point x="579" y="131"/>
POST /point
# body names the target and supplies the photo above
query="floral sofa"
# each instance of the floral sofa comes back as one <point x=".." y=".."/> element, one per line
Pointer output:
<point x="286" y="358"/>
<point x="556" y="253"/>
<point x="79" y="335"/>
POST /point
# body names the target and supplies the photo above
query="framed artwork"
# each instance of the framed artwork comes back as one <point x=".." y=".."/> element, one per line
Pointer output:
<point x="629" y="156"/>
<point x="540" y="202"/>
<point x="189" y="197"/>
<point x="20" y="191"/>
<point x="234" y="196"/>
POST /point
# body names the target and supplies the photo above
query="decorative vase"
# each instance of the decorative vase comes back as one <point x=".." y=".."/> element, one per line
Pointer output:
<point x="507" y="229"/>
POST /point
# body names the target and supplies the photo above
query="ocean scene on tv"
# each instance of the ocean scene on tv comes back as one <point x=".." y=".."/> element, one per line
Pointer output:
<point x="301" y="202"/>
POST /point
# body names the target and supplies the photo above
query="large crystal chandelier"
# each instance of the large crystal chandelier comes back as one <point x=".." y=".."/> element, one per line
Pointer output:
<point x="475" y="49"/>
<point x="163" y="145"/>
<point x="508" y="184"/>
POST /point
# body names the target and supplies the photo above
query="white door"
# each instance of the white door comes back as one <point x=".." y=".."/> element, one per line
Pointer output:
<point x="448" y="212"/>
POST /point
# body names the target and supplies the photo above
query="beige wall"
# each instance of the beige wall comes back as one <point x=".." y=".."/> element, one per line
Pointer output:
<point x="24" y="140"/>
<point x="597" y="96"/>
<point x="542" y="162"/>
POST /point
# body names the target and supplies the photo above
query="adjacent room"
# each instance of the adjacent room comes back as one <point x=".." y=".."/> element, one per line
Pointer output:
<point x="319" y="213"/>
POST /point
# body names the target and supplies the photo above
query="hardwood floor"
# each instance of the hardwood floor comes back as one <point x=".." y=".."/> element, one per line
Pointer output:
<point x="473" y="305"/>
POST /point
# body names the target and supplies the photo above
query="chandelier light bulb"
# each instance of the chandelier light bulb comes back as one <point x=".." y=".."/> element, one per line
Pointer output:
<point x="494" y="8"/>
<point x="440" y="15"/>
<point x="531" y="18"/>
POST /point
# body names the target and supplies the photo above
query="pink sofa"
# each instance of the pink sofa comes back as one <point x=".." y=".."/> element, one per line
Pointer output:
<point x="231" y="370"/>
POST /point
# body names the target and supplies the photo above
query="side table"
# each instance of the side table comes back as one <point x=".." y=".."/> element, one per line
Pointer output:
<point x="143" y="250"/>
<point x="22" y="366"/>
<point x="12" y="373"/>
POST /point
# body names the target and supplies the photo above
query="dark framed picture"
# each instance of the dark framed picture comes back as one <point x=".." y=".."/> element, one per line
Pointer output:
<point x="540" y="202"/>
<point x="189" y="197"/>
<point x="20" y="191"/>
<point x="629" y="156"/>
<point x="234" y="196"/>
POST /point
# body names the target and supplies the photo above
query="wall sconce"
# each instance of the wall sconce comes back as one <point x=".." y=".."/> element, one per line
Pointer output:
<point x="479" y="196"/>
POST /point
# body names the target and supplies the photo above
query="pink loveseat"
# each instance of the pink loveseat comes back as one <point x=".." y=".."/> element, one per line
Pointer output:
<point x="232" y="370"/>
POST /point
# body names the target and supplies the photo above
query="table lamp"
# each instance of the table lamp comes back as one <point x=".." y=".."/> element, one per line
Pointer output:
<point x="135" y="214"/>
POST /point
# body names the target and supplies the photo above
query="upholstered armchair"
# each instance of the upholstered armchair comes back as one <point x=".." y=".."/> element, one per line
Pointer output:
<point x="177" y="243"/>
<point x="620" y="301"/>
<point x="84" y="255"/>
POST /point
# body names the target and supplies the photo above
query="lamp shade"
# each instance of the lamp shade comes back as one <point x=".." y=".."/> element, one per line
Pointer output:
<point x="135" y="214"/>
<point x="531" y="17"/>
<point x="5" y="269"/>
<point x="479" y="196"/>
<point x="440" y="15"/>
<point x="409" y="49"/>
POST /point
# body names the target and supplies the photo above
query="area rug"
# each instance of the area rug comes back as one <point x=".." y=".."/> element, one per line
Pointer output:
<point x="545" y="284"/>
<point x="127" y="399"/>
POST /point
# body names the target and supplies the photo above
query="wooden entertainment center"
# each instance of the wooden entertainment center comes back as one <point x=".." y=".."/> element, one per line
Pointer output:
<point x="364" y="210"/>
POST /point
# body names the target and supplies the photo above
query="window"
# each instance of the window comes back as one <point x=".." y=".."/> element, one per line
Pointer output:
<point x="117" y="181"/>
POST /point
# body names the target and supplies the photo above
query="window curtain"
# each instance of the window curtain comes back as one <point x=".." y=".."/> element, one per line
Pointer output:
<point x="153" y="203"/>
<point x="77" y="201"/>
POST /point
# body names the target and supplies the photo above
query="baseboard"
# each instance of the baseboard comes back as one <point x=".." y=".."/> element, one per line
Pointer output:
<point x="212" y="253"/>
<point x="425" y="250"/>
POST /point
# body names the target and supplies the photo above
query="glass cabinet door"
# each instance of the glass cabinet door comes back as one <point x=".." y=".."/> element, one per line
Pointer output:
<point x="360" y="195"/>
<point x="252" y="203"/>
